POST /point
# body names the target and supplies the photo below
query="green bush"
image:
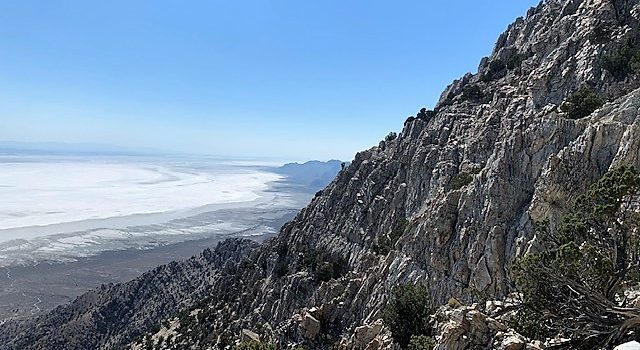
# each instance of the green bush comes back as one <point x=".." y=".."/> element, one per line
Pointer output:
<point x="281" y="268"/>
<point x="254" y="345"/>
<point x="447" y="100"/>
<point x="497" y="69"/>
<point x="391" y="136"/>
<point x="600" y="35"/>
<point x="582" y="103"/>
<point x="195" y="326"/>
<point x="531" y="324"/>
<point x="459" y="181"/>
<point x="247" y="264"/>
<point x="575" y="286"/>
<point x="421" y="342"/>
<point x="472" y="92"/>
<point x="425" y="114"/>
<point x="515" y="61"/>
<point x="462" y="179"/>
<point x="408" y="313"/>
<point x="325" y="266"/>
<point x="382" y="246"/>
<point x="385" y="243"/>
<point x="623" y="60"/>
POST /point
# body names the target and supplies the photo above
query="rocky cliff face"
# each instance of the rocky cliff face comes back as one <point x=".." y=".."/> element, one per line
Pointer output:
<point x="461" y="187"/>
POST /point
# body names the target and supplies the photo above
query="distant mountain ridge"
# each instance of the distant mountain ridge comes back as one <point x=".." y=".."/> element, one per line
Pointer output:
<point x="313" y="174"/>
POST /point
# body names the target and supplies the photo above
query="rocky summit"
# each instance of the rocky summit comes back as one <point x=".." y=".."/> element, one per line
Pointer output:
<point x="447" y="203"/>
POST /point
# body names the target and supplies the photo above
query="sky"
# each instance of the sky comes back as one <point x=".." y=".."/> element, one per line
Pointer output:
<point x="295" y="79"/>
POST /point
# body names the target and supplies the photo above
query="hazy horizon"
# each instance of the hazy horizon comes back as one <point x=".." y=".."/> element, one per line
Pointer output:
<point x="100" y="149"/>
<point x="293" y="80"/>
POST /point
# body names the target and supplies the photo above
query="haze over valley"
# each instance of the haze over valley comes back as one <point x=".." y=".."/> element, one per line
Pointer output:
<point x="71" y="221"/>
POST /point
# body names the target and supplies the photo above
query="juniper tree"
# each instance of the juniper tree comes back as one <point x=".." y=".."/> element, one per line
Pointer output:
<point x="576" y="286"/>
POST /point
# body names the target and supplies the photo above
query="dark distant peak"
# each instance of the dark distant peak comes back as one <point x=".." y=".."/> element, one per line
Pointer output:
<point x="313" y="174"/>
<point x="312" y="166"/>
<point x="313" y="162"/>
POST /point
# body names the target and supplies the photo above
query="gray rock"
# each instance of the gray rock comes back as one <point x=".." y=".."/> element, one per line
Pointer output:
<point x="632" y="345"/>
<point x="366" y="334"/>
<point x="311" y="326"/>
<point x="248" y="335"/>
<point x="513" y="342"/>
<point x="470" y="181"/>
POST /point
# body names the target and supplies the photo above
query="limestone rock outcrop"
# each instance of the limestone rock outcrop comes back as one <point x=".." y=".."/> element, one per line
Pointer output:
<point x="449" y="203"/>
<point x="472" y="327"/>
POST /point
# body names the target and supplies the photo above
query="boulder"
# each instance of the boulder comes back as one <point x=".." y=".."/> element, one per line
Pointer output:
<point x="310" y="325"/>
<point x="632" y="345"/>
<point x="366" y="333"/>
<point x="248" y="335"/>
<point x="513" y="342"/>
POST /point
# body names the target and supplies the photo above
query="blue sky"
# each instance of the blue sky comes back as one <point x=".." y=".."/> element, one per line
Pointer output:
<point x="290" y="79"/>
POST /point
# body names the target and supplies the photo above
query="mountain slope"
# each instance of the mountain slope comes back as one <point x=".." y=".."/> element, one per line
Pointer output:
<point x="461" y="185"/>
